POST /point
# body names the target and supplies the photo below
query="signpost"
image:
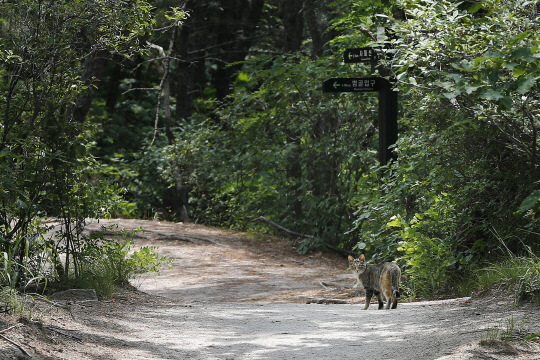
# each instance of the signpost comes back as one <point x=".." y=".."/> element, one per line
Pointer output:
<point x="358" y="55"/>
<point x="388" y="101"/>
<point x="366" y="84"/>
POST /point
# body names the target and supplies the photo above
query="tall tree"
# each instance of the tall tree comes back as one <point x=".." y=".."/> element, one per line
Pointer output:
<point x="44" y="47"/>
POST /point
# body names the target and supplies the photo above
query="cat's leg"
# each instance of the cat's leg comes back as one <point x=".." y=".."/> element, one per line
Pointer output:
<point x="395" y="295"/>
<point x="386" y="288"/>
<point x="369" y="295"/>
<point x="380" y="300"/>
<point x="388" y="296"/>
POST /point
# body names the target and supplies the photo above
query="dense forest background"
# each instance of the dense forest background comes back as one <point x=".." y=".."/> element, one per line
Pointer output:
<point x="213" y="112"/>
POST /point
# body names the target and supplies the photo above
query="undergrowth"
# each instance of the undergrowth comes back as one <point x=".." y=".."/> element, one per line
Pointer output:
<point x="111" y="263"/>
<point x="518" y="275"/>
<point x="505" y="330"/>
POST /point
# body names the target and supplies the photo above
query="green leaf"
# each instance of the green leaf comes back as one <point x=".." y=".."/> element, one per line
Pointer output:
<point x="490" y="94"/>
<point x="396" y="222"/>
<point x="464" y="66"/>
<point x="525" y="84"/>
<point x="519" y="70"/>
<point x="361" y="245"/>
<point x="533" y="337"/>
<point x="523" y="53"/>
<point x="530" y="201"/>
<point x="511" y="65"/>
<point x="504" y="103"/>
<point x="493" y="77"/>
<point x="518" y="38"/>
<point x="471" y="88"/>
<point x="478" y="243"/>
<point x="474" y="8"/>
<point x="21" y="204"/>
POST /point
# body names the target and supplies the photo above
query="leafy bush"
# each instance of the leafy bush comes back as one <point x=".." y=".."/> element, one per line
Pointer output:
<point x="43" y="146"/>
<point x="461" y="173"/>
<point x="107" y="264"/>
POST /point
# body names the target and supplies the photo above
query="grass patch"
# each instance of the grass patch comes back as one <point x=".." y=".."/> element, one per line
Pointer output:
<point x="13" y="303"/>
<point x="519" y="275"/>
<point x="505" y="330"/>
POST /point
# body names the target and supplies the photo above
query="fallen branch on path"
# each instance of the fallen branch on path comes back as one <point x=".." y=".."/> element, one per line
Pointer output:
<point x="162" y="236"/>
<point x="9" y="328"/>
<point x="61" y="333"/>
<point x="14" y="343"/>
<point x="327" y="285"/>
<point x="325" y="301"/>
<point x="292" y="233"/>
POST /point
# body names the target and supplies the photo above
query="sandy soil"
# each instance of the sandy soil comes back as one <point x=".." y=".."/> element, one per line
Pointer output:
<point x="233" y="295"/>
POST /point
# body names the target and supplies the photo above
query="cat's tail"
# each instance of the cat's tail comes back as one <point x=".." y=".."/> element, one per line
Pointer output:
<point x="395" y="283"/>
<point x="396" y="275"/>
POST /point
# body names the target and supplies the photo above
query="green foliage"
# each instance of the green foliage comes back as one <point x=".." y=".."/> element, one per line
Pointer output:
<point x="533" y="337"/>
<point x="519" y="275"/>
<point x="14" y="303"/>
<point x="43" y="150"/>
<point x="110" y="263"/>
<point x="487" y="66"/>
<point x="531" y="203"/>
<point x="467" y="146"/>
<point x="282" y="149"/>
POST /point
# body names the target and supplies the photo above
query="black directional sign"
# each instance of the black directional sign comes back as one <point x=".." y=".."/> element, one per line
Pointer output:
<point x="366" y="84"/>
<point x="388" y="99"/>
<point x="365" y="54"/>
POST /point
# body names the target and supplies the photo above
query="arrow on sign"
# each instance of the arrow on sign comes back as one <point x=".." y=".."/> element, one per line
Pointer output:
<point x="365" y="54"/>
<point x="367" y="84"/>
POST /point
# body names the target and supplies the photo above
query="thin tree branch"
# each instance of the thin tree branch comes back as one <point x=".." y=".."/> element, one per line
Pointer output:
<point x="151" y="89"/>
<point x="225" y="44"/>
<point x="292" y="233"/>
<point x="17" y="345"/>
<point x="9" y="328"/>
<point x="531" y="118"/>
<point x="368" y="33"/>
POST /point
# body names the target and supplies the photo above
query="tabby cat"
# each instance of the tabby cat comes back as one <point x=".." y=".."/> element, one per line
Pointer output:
<point x="377" y="279"/>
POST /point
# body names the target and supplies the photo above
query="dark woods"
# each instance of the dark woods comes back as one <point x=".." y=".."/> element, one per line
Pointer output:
<point x="212" y="112"/>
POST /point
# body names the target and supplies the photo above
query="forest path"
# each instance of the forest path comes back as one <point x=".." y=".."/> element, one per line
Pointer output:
<point x="232" y="295"/>
<point x="247" y="300"/>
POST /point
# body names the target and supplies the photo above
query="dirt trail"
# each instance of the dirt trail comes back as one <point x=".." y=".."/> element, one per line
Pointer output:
<point x="226" y="266"/>
<point x="232" y="295"/>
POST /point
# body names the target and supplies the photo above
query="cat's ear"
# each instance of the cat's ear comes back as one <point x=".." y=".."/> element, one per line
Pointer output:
<point x="350" y="258"/>
<point x="362" y="257"/>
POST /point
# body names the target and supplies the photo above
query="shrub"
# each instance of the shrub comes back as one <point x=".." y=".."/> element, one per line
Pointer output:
<point x="107" y="264"/>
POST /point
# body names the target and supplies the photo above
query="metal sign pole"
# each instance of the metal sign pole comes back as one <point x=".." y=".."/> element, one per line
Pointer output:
<point x="388" y="125"/>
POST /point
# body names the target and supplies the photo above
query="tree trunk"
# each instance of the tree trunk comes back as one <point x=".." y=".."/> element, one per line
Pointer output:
<point x="293" y="23"/>
<point x="318" y="15"/>
<point x="190" y="70"/>
<point x="113" y="86"/>
<point x="235" y="30"/>
<point x="293" y="26"/>
<point x="93" y="68"/>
